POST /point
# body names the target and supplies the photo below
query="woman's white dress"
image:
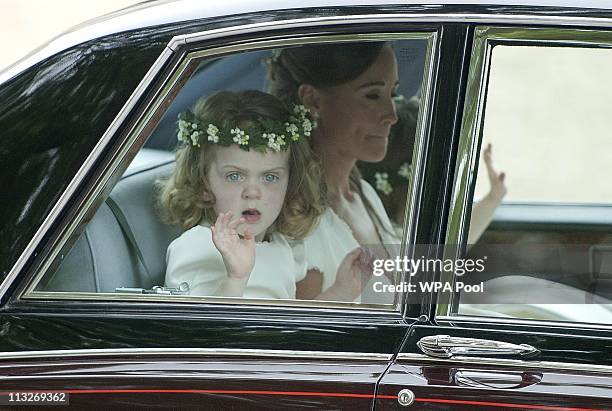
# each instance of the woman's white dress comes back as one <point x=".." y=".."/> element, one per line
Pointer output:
<point x="332" y="238"/>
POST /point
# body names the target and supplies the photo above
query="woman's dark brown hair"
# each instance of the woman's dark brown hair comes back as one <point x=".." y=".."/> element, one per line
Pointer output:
<point x="322" y="66"/>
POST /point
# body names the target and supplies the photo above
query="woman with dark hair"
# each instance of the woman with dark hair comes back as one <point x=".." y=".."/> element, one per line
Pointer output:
<point x="350" y="88"/>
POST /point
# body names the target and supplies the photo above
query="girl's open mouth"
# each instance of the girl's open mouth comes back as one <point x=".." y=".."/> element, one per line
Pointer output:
<point x="251" y="215"/>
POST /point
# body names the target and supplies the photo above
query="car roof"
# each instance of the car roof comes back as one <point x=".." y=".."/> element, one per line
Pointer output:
<point x="160" y="12"/>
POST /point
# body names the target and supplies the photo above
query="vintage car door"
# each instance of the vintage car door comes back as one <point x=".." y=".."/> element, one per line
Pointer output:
<point x="534" y="330"/>
<point x="84" y="313"/>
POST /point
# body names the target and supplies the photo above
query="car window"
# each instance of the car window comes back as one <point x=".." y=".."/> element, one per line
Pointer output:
<point x="546" y="253"/>
<point x="547" y="118"/>
<point x="222" y="139"/>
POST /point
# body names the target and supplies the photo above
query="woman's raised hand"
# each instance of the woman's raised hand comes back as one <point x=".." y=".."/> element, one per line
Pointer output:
<point x="498" y="187"/>
<point x="238" y="252"/>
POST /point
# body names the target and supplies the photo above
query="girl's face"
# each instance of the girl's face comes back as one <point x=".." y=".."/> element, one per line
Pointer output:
<point x="355" y="118"/>
<point x="250" y="184"/>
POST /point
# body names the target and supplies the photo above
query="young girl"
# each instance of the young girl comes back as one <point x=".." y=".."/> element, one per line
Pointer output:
<point x="248" y="191"/>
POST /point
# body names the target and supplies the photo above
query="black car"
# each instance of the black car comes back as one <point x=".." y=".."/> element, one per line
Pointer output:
<point x="88" y="127"/>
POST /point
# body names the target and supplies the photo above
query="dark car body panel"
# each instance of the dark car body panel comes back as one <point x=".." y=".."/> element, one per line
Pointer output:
<point x="218" y="381"/>
<point x="454" y="386"/>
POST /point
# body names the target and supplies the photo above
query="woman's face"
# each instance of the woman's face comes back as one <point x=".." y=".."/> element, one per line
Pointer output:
<point x="355" y="118"/>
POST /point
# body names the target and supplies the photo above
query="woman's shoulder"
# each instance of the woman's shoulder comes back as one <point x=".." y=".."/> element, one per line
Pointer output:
<point x="378" y="207"/>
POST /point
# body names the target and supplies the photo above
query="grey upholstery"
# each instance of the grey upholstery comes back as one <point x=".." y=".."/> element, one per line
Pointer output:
<point x="103" y="259"/>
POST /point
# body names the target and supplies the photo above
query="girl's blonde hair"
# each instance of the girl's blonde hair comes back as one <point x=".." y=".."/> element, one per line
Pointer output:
<point x="186" y="198"/>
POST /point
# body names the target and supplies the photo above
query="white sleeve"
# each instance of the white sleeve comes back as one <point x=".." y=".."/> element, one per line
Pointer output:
<point x="298" y="249"/>
<point x="194" y="259"/>
<point x="327" y="244"/>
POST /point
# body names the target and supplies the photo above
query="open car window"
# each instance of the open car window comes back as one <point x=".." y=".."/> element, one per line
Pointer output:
<point x="134" y="247"/>
<point x="543" y="106"/>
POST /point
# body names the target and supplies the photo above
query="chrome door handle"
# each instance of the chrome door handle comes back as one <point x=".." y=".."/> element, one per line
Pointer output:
<point x="508" y="380"/>
<point x="445" y="346"/>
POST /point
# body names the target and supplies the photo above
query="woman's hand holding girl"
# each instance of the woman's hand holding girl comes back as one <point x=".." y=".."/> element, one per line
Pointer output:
<point x="353" y="274"/>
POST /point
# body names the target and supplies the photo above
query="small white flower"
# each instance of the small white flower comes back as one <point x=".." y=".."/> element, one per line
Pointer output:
<point x="382" y="183"/>
<point x="307" y="126"/>
<point x="212" y="129"/>
<point x="300" y="110"/>
<point x="213" y="133"/>
<point x="194" y="138"/>
<point x="273" y="145"/>
<point x="239" y="137"/>
<point x="292" y="128"/>
<point x="405" y="170"/>
<point x="194" y="126"/>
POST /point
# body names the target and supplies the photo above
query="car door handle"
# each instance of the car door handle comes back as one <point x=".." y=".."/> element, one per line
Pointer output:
<point x="445" y="346"/>
<point x="494" y="379"/>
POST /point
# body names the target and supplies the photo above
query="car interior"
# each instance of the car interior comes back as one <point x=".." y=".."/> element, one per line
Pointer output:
<point x="124" y="245"/>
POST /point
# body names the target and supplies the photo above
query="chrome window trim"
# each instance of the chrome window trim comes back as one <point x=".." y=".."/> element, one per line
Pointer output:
<point x="414" y="18"/>
<point x="202" y="352"/>
<point x="454" y="320"/>
<point x="464" y="361"/>
<point x="374" y="309"/>
<point x="123" y="155"/>
<point x="419" y="162"/>
<point x="485" y="38"/>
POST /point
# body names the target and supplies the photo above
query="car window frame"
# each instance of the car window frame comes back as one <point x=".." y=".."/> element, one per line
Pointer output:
<point x="189" y="49"/>
<point x="470" y="140"/>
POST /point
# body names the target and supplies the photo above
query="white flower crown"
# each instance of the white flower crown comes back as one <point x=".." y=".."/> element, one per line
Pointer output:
<point x="265" y="135"/>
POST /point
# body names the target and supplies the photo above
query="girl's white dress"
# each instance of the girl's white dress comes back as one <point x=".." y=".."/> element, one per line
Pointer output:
<point x="193" y="258"/>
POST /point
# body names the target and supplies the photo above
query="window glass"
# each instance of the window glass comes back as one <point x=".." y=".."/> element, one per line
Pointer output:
<point x="547" y="116"/>
<point x="256" y="135"/>
<point x="546" y="254"/>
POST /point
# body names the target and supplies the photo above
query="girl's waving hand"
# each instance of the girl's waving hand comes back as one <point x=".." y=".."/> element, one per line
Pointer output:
<point x="238" y="252"/>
